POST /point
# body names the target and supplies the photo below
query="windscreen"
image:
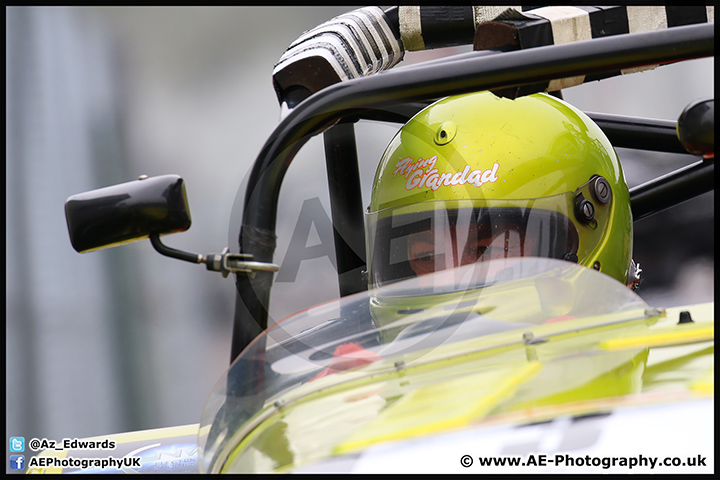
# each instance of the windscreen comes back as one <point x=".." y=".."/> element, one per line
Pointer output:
<point x="423" y="319"/>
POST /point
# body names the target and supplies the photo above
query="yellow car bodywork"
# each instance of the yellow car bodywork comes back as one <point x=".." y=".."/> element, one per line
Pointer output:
<point x="568" y="368"/>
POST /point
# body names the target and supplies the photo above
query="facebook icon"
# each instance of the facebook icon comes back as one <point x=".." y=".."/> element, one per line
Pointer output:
<point x="17" y="462"/>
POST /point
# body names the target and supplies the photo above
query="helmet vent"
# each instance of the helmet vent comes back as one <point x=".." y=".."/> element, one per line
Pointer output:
<point x="445" y="133"/>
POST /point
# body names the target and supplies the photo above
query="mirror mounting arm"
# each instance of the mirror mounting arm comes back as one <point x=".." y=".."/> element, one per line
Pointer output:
<point x="173" y="253"/>
<point x="224" y="262"/>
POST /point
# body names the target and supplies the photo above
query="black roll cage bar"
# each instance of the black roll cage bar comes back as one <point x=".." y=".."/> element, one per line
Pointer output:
<point x="396" y="95"/>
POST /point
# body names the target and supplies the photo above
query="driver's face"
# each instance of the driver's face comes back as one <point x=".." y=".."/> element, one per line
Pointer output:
<point x="431" y="251"/>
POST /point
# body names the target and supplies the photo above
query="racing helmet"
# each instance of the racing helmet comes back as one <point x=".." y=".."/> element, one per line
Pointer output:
<point x="475" y="177"/>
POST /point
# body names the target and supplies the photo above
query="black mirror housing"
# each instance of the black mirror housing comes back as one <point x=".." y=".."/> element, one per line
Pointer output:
<point x="126" y="212"/>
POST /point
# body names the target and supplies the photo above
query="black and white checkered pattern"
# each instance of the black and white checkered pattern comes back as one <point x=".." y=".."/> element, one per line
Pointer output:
<point x="368" y="40"/>
<point x="424" y="27"/>
<point x="560" y="25"/>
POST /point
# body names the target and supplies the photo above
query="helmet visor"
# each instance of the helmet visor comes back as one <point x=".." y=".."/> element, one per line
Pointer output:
<point x="428" y="237"/>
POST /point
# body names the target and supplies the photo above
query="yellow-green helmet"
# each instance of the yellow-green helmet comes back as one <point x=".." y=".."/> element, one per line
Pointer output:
<point x="477" y="176"/>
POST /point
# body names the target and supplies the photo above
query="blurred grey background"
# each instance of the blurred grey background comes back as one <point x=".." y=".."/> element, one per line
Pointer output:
<point x="126" y="339"/>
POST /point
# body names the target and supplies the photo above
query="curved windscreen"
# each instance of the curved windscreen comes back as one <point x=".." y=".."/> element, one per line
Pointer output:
<point x="435" y="316"/>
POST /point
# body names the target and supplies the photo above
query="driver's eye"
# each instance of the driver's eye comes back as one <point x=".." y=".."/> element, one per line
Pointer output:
<point x="425" y="256"/>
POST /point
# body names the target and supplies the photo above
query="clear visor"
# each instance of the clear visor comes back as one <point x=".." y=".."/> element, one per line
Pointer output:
<point x="405" y="242"/>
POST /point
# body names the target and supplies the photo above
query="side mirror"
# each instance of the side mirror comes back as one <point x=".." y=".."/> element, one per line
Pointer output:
<point x="126" y="212"/>
<point x="145" y="208"/>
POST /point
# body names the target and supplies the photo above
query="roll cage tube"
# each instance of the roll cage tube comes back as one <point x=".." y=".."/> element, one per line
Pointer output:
<point x="367" y="95"/>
